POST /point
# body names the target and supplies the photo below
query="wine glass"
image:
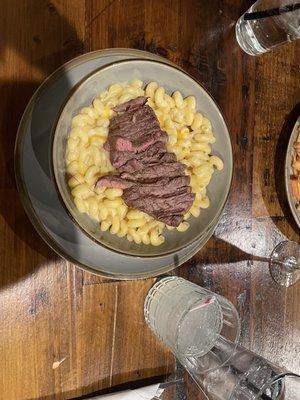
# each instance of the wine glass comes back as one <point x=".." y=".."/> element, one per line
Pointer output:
<point x="284" y="263"/>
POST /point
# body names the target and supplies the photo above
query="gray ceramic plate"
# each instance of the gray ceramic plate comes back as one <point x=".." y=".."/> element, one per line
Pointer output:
<point x="171" y="78"/>
<point x="288" y="172"/>
<point x="37" y="190"/>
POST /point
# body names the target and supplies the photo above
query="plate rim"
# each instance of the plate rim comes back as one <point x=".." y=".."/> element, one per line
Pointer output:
<point x="23" y="192"/>
<point x="53" y="136"/>
<point x="287" y="172"/>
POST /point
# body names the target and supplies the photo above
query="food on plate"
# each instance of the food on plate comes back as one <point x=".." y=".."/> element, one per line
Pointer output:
<point x="152" y="179"/>
<point x="295" y="177"/>
<point x="140" y="181"/>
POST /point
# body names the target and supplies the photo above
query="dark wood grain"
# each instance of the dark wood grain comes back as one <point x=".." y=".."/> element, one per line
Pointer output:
<point x="64" y="332"/>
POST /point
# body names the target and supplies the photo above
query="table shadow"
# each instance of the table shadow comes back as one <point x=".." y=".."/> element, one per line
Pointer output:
<point x="44" y="55"/>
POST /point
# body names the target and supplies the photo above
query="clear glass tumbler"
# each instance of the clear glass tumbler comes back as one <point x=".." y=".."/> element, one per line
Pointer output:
<point x="201" y="328"/>
<point x="192" y="322"/>
<point x="268" y="24"/>
<point x="247" y="376"/>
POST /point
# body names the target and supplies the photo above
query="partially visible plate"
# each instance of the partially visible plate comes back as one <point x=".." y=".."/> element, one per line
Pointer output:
<point x="171" y="78"/>
<point x="37" y="191"/>
<point x="289" y="172"/>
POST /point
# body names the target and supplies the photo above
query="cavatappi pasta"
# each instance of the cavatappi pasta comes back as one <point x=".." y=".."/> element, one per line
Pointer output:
<point x="189" y="136"/>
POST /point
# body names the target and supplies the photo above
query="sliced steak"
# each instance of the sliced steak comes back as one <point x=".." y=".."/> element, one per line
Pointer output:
<point x="136" y="145"/>
<point x="156" y="171"/>
<point x="152" y="179"/>
<point x="164" y="187"/>
<point x="125" y="128"/>
<point x="131" y="104"/>
<point x="155" y="153"/>
<point x="166" y="158"/>
<point x="138" y="163"/>
<point x="113" y="182"/>
<point x="158" y="207"/>
<point x="131" y="166"/>
<point x="138" y="116"/>
<point x="172" y="220"/>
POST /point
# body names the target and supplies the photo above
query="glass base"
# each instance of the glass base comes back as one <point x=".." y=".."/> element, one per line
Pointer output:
<point x="284" y="263"/>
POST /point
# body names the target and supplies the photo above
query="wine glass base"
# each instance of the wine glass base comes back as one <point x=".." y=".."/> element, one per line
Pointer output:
<point x="282" y="277"/>
<point x="283" y="264"/>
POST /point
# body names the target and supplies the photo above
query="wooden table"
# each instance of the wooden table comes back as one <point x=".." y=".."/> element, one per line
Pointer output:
<point x="64" y="332"/>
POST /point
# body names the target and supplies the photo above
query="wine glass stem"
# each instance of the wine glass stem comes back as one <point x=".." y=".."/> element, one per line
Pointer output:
<point x="286" y="265"/>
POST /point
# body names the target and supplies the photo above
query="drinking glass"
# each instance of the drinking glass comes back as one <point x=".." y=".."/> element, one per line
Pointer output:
<point x="247" y="376"/>
<point x="284" y="263"/>
<point x="268" y="24"/>
<point x="191" y="321"/>
<point x="202" y="328"/>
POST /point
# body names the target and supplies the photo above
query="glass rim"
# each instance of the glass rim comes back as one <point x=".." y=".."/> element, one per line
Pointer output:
<point x="234" y="343"/>
<point x="203" y="301"/>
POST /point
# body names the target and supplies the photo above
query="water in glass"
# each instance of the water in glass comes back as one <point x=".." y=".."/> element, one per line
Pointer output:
<point x="258" y="36"/>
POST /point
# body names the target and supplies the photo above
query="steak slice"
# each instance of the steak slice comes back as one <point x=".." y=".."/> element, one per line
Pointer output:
<point x="136" y="164"/>
<point x="172" y="220"/>
<point x="113" y="182"/>
<point x="134" y="123"/>
<point x="152" y="154"/>
<point x="124" y="125"/>
<point x="131" y="104"/>
<point x="138" y="116"/>
<point x="156" y="171"/>
<point x="165" y="158"/>
<point x="161" y="208"/>
<point x="131" y="166"/>
<point x="136" y="145"/>
<point x="162" y="188"/>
